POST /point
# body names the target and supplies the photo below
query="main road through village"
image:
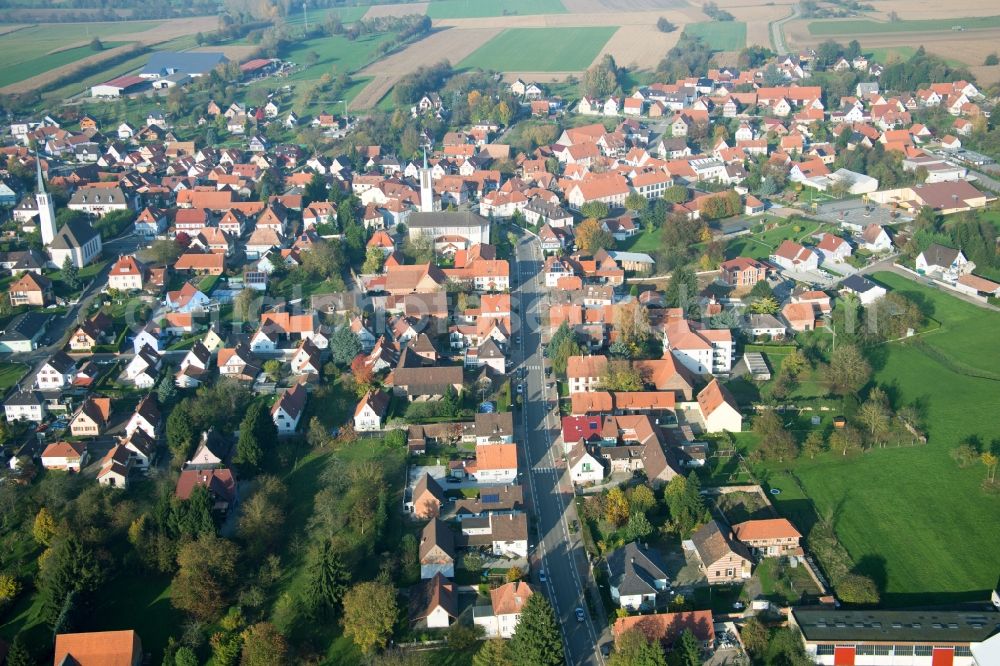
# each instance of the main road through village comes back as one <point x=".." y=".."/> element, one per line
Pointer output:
<point x="559" y="552"/>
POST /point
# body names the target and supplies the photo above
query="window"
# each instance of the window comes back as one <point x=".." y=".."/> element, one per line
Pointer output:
<point x="824" y="650"/>
<point x="730" y="572"/>
<point x="883" y="650"/>
<point x="922" y="651"/>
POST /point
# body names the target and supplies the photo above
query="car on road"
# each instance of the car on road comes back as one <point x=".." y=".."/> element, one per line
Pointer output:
<point x="520" y="388"/>
<point x="517" y="339"/>
<point x="579" y="614"/>
<point x="541" y="576"/>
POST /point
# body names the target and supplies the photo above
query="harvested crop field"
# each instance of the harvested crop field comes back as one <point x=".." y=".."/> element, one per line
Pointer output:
<point x="487" y="8"/>
<point x="450" y="44"/>
<point x="405" y="9"/>
<point x="865" y="26"/>
<point x="541" y="49"/>
<point x="910" y="10"/>
<point x="594" y="6"/>
<point x="641" y="46"/>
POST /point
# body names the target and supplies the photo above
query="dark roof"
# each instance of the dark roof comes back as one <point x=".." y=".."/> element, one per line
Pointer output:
<point x="859" y="284"/>
<point x="498" y="424"/>
<point x="189" y="62"/>
<point x="425" y="484"/>
<point x="446" y="218"/>
<point x="436" y="533"/>
<point x="75" y="233"/>
<point x="713" y="542"/>
<point x="939" y="255"/>
<point x="25" y="326"/>
<point x="634" y="569"/>
<point x="25" y="398"/>
<point x="894" y="626"/>
<point x="61" y="362"/>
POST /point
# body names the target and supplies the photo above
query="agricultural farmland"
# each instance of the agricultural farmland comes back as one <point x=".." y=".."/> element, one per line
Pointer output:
<point x="865" y="26"/>
<point x="540" y="49"/>
<point x="438" y="9"/>
<point x="720" y="36"/>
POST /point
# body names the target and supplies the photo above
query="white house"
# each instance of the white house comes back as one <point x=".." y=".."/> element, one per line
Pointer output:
<point x="793" y="257"/>
<point x="371" y="411"/>
<point x="636" y="576"/>
<point x="867" y="291"/>
<point x="833" y="248"/>
<point x="495" y="463"/>
<point x="583" y="466"/>
<point x="876" y="239"/>
<point x="57" y="373"/>
<point x="69" y="456"/>
<point x="25" y="406"/>
<point x="288" y="408"/>
<point x="718" y="408"/>
<point x="948" y="262"/>
<point x="500" y="618"/>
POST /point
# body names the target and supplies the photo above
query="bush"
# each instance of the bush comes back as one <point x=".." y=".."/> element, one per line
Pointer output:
<point x="663" y="25"/>
<point x="992" y="59"/>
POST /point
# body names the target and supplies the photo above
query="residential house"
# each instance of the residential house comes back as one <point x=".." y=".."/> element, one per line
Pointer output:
<point x="239" y="363"/>
<point x="495" y="463"/>
<point x="800" y="316"/>
<point x="127" y="274"/>
<point x="723" y="559"/>
<point x="307" y="359"/>
<point x="92" y="418"/>
<point x="666" y="628"/>
<point x="833" y="249"/>
<point x="220" y="483"/>
<point x="876" y="239"/>
<point x="288" y="408"/>
<point x="742" y="272"/>
<point x="500" y="618"/>
<point x="770" y="537"/>
<point x="501" y="535"/>
<point x="426" y="498"/>
<point x="866" y="291"/>
<point x="116" y="465"/>
<point x="584" y="466"/>
<point x="946" y="262"/>
<point x="25" y="406"/>
<point x="718" y="408"/>
<point x="371" y="411"/>
<point x="92" y="331"/>
<point x="31" y="289"/>
<point x="434" y="604"/>
<point x="67" y="456"/>
<point x="56" y="373"/>
<point x="23" y="332"/>
<point x="636" y="575"/>
<point x="194" y="366"/>
<point x="437" y="550"/>
<point x="794" y="257"/>
<point x="99" y="648"/>
<point x="144" y="368"/>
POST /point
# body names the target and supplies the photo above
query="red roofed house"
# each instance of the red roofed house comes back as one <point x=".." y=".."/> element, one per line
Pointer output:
<point x="793" y="257"/>
<point x="719" y="410"/>
<point x="668" y="627"/>
<point x="833" y="248"/>
<point x="743" y="272"/>
<point x="585" y="372"/>
<point x="800" y="316"/>
<point x="69" y="456"/>
<point x="30" y="289"/>
<point x="772" y="537"/>
<point x="127" y="274"/>
<point x="219" y="481"/>
<point x="99" y="648"/>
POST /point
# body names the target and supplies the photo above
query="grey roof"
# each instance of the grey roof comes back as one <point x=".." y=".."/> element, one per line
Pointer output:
<point x="489" y="349"/>
<point x="939" y="255"/>
<point x="61" y="362"/>
<point x="763" y="321"/>
<point x="190" y="62"/>
<point x="436" y="533"/>
<point x="548" y="210"/>
<point x="634" y="569"/>
<point x="498" y="424"/>
<point x="713" y="542"/>
<point x="24" y="399"/>
<point x="858" y="284"/>
<point x="897" y="626"/>
<point x="26" y="326"/>
<point x="446" y="218"/>
<point x="74" y="234"/>
<point x="108" y="195"/>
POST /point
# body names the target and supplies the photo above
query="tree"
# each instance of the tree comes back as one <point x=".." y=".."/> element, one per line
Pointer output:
<point x="44" y="528"/>
<point x="263" y="645"/>
<point x="374" y="258"/>
<point x="70" y="274"/>
<point x="536" y="639"/>
<point x="205" y="577"/>
<point x="514" y="574"/>
<point x="767" y="305"/>
<point x="795" y="363"/>
<point x="755" y="637"/>
<point x="326" y="579"/>
<point x="638" y="527"/>
<point x="494" y="652"/>
<point x="663" y="25"/>
<point x="636" y="202"/>
<point x="846" y="440"/>
<point x="682" y="289"/>
<point x="616" y="508"/>
<point x="683" y="498"/>
<point x="632" y="324"/>
<point x="370" y="613"/>
<point x="590" y="237"/>
<point x="272" y="368"/>
<point x="874" y="414"/>
<point x="69" y="571"/>
<point x="991" y="60"/>
<point x="989" y="461"/>
<point x="686" y="651"/>
<point x="633" y="649"/>
<point x="166" y="390"/>
<point x="473" y="561"/>
<point x="641" y="498"/>
<point x="594" y="210"/>
<point x="180" y="431"/>
<point x="776" y="442"/>
<point x="815" y="444"/>
<point x="96" y="44"/>
<point x="344" y="346"/>
<point x="621" y="376"/>
<point x="10" y="587"/>
<point x="848" y="371"/>
<point x="256" y="431"/>
<point x="18" y="655"/>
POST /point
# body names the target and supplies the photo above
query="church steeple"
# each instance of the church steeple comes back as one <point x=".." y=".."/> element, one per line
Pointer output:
<point x="426" y="188"/>
<point x="46" y="211"/>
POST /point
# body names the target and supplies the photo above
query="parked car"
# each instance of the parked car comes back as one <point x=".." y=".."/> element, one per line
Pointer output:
<point x="579" y="614"/>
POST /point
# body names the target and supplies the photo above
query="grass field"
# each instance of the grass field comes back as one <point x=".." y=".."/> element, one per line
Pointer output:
<point x="891" y="54"/>
<point x="318" y="16"/>
<point x="35" y="66"/>
<point x="909" y="516"/>
<point x="443" y="9"/>
<point x="762" y="245"/>
<point x="720" y="35"/>
<point x="10" y="374"/>
<point x="865" y="26"/>
<point x="541" y="49"/>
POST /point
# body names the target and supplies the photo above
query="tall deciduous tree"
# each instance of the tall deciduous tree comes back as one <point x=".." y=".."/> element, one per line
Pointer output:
<point x="204" y="582"/>
<point x="848" y="371"/>
<point x="633" y="649"/>
<point x="590" y="237"/>
<point x="369" y="614"/>
<point x="263" y="645"/>
<point x="537" y="640"/>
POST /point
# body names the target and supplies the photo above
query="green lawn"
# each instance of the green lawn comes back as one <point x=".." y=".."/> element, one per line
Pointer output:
<point x="10" y="374"/>
<point x="647" y="241"/>
<point x="908" y="516"/>
<point x="891" y="54"/>
<point x="867" y="26"/>
<point x="720" y="35"/>
<point x="761" y="245"/>
<point x="34" y="67"/>
<point x="441" y="9"/>
<point x="541" y="49"/>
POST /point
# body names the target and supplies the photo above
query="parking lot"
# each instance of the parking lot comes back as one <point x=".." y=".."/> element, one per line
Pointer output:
<point x="855" y="212"/>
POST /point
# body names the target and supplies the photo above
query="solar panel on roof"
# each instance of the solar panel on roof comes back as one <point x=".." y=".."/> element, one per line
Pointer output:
<point x="491" y="499"/>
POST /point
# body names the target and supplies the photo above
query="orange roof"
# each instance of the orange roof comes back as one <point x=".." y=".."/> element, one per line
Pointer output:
<point x="197" y="261"/>
<point x="795" y="312"/>
<point x="772" y="528"/>
<point x="64" y="450"/>
<point x="590" y="403"/>
<point x="713" y="396"/>
<point x="496" y="456"/>
<point x="509" y="599"/>
<point x="99" y="648"/>
<point x="667" y="627"/>
<point x="585" y="366"/>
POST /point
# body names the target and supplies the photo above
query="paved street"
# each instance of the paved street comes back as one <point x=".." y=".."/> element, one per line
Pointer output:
<point x="550" y="492"/>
